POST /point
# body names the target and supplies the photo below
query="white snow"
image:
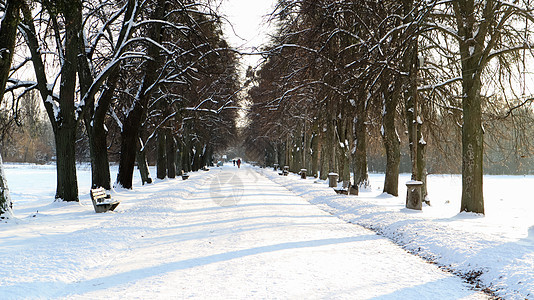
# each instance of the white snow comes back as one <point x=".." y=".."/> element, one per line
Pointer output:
<point x="235" y="234"/>
<point x="422" y="141"/>
<point x="499" y="246"/>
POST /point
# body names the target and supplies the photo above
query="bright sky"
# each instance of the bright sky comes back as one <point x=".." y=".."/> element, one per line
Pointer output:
<point x="250" y="28"/>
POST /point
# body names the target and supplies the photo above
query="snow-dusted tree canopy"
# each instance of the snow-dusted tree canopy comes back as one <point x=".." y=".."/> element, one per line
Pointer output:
<point x="339" y="74"/>
<point x="119" y="71"/>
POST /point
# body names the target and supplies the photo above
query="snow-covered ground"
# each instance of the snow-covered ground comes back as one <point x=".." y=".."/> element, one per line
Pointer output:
<point x="235" y="234"/>
<point x="495" y="251"/>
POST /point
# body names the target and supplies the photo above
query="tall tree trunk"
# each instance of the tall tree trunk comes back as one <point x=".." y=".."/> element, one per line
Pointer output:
<point x="133" y="121"/>
<point x="323" y="156"/>
<point x="5" y="199"/>
<point x="472" y="149"/>
<point x="179" y="153"/>
<point x="392" y="145"/>
<point x="410" y="65"/>
<point x="315" y="150"/>
<point x="161" y="160"/>
<point x="95" y="117"/>
<point x="129" y="140"/>
<point x="65" y="131"/>
<point x="473" y="38"/>
<point x="207" y="160"/>
<point x="346" y="131"/>
<point x="195" y="166"/>
<point x="62" y="118"/>
<point x="142" y="164"/>
<point x="67" y="183"/>
<point x="331" y="142"/>
<point x="361" y="176"/>
<point x="281" y="154"/>
<point x="186" y="155"/>
<point x="100" y="174"/>
<point x="171" y="154"/>
<point x="8" y="34"/>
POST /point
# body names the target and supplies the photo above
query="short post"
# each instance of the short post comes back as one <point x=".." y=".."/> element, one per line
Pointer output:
<point x="185" y="176"/>
<point x="413" y="197"/>
<point x="303" y="173"/>
<point x="276" y="167"/>
<point x="286" y="170"/>
<point x="332" y="179"/>
<point x="353" y="190"/>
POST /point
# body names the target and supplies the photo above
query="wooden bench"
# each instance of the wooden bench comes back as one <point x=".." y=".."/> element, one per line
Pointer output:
<point x="102" y="201"/>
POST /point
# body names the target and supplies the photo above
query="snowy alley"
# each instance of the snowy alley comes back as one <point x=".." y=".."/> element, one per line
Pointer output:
<point x="225" y="234"/>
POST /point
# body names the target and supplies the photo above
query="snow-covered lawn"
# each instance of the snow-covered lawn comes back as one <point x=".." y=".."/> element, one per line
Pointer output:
<point x="235" y="234"/>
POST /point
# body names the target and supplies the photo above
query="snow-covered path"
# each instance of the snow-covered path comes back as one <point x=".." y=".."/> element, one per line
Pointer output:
<point x="230" y="234"/>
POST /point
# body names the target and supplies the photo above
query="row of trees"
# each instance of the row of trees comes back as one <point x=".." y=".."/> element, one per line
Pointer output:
<point x="141" y="70"/>
<point x="338" y="72"/>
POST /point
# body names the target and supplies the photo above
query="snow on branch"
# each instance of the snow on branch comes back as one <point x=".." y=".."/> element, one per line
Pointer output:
<point x="439" y="85"/>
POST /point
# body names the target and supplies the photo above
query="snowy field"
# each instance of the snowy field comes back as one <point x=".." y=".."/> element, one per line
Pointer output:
<point x="252" y="234"/>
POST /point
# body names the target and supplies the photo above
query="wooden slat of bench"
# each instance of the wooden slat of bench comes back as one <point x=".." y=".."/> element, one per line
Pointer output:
<point x="99" y="197"/>
<point x="99" y="194"/>
<point x="107" y="203"/>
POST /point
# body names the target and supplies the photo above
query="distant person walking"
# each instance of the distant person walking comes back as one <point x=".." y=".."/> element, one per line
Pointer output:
<point x="239" y="163"/>
<point x="234" y="162"/>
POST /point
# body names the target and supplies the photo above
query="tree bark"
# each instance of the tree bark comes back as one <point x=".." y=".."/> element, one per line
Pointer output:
<point x="8" y="34"/>
<point x="315" y="150"/>
<point x="186" y="155"/>
<point x="67" y="183"/>
<point x="472" y="149"/>
<point x="161" y="160"/>
<point x="361" y="176"/>
<point x="100" y="174"/>
<point x="5" y="199"/>
<point x="171" y="154"/>
<point x="323" y="156"/>
<point x="129" y="138"/>
<point x="391" y="144"/>
<point x="473" y="61"/>
<point x="142" y="164"/>
<point x="195" y="166"/>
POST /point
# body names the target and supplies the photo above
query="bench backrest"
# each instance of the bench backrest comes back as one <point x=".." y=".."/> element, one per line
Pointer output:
<point x="98" y="194"/>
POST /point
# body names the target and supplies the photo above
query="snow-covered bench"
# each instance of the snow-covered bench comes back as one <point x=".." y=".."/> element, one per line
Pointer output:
<point x="102" y="201"/>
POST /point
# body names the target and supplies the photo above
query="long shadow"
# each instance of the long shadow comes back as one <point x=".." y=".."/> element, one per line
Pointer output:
<point x="205" y="234"/>
<point x="215" y="208"/>
<point x="438" y="289"/>
<point x="139" y="274"/>
<point x="243" y="219"/>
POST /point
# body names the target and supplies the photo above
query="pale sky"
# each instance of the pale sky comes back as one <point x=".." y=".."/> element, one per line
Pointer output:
<point x="249" y="19"/>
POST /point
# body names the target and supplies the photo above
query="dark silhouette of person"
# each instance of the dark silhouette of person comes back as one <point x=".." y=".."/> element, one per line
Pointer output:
<point x="234" y="162"/>
<point x="239" y="163"/>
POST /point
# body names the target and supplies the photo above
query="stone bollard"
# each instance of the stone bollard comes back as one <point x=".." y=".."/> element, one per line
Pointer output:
<point x="276" y="167"/>
<point x="185" y="176"/>
<point x="332" y="180"/>
<point x="303" y="173"/>
<point x="286" y="170"/>
<point x="413" y="197"/>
